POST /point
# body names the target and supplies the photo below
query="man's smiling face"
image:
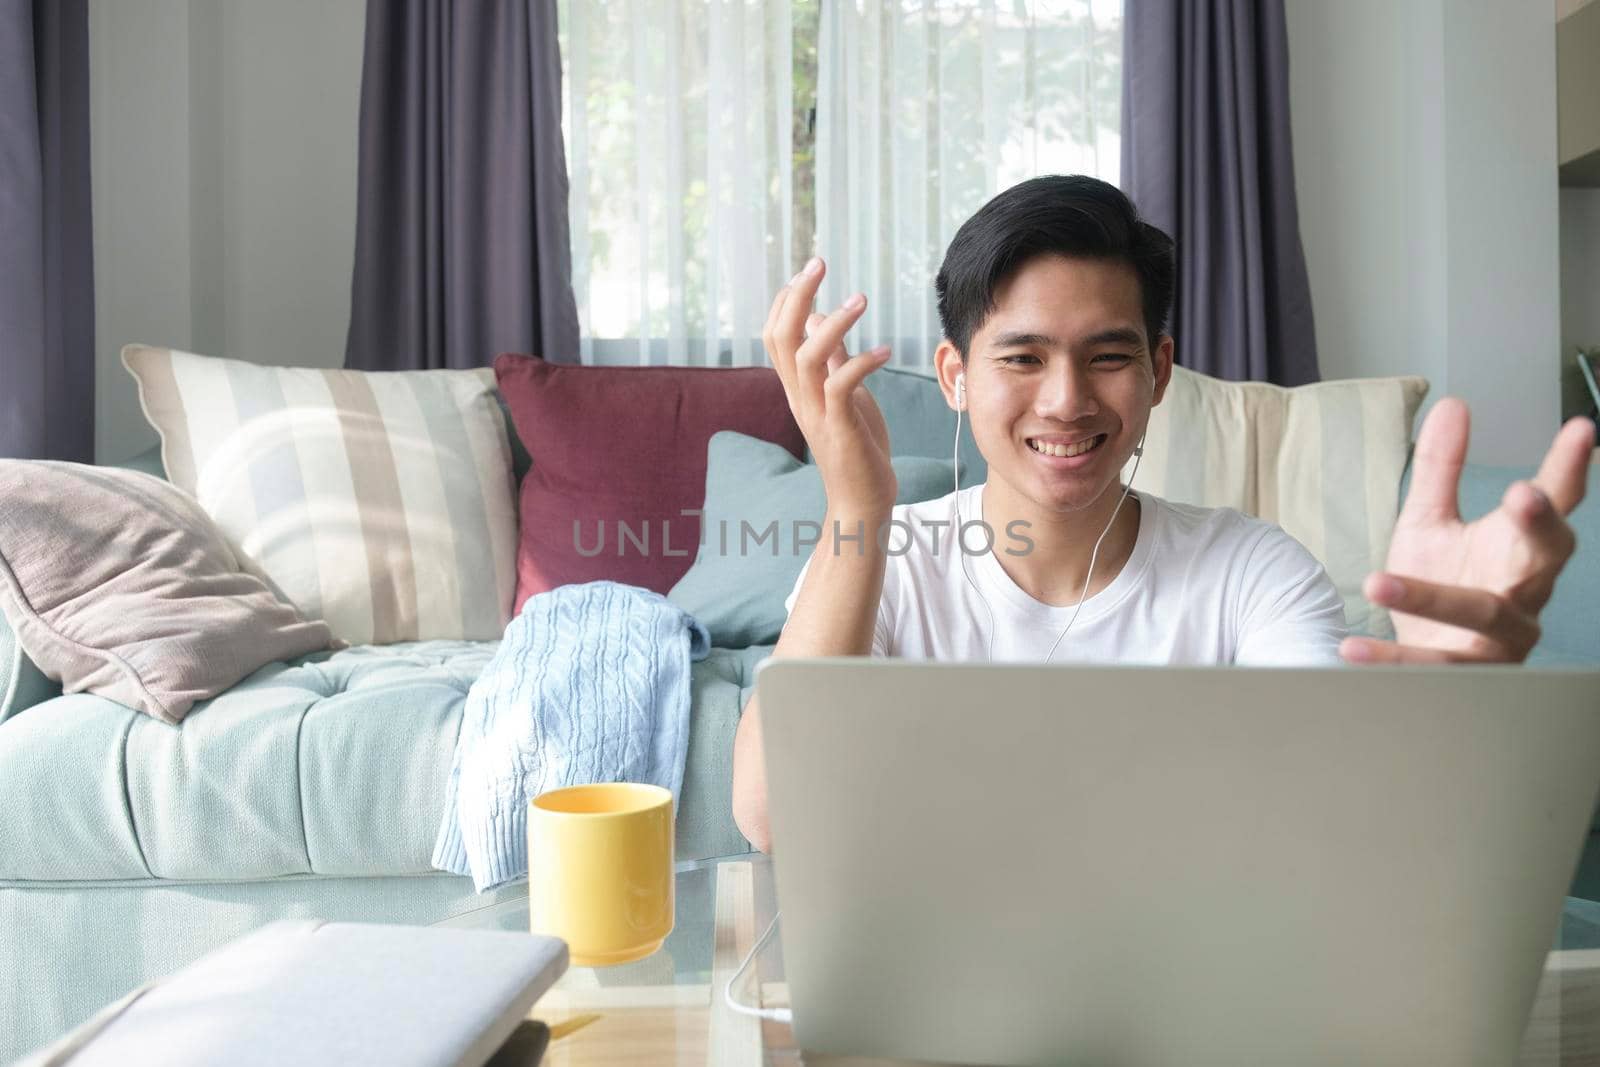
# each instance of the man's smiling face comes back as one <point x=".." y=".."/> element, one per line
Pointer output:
<point x="1061" y="379"/>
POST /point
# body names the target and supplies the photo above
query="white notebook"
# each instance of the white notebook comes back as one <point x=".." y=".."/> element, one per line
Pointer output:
<point x="310" y="993"/>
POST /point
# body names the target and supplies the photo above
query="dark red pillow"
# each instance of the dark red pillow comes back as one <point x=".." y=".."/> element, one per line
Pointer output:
<point x="618" y="454"/>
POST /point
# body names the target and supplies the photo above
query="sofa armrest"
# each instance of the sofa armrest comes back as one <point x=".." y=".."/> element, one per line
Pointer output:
<point x="22" y="684"/>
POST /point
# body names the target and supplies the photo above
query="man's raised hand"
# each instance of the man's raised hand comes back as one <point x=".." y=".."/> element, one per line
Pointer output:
<point x="1473" y="591"/>
<point x="838" y="416"/>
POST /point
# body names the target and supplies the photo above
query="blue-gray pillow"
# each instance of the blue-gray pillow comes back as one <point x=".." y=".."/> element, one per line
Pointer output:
<point x="741" y="575"/>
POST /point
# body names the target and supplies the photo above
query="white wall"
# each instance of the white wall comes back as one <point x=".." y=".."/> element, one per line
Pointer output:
<point x="139" y="145"/>
<point x="1425" y="159"/>
<point x="1369" y="166"/>
<point x="1502" y="220"/>
<point x="224" y="141"/>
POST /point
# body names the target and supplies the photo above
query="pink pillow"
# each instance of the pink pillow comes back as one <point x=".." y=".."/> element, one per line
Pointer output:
<point x="618" y="454"/>
<point x="116" y="583"/>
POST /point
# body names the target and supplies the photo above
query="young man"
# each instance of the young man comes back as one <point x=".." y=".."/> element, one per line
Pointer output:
<point x="1053" y="299"/>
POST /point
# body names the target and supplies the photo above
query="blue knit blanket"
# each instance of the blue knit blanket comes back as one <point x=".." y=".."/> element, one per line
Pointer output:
<point x="590" y="684"/>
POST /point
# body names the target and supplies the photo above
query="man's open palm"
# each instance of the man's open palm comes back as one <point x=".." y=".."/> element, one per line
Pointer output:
<point x="1474" y="590"/>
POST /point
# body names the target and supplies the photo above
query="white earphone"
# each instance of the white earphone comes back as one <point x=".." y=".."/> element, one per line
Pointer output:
<point x="955" y="498"/>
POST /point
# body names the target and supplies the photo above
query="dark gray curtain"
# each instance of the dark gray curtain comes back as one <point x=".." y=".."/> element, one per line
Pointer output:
<point x="462" y="249"/>
<point x="46" y="239"/>
<point x="1206" y="156"/>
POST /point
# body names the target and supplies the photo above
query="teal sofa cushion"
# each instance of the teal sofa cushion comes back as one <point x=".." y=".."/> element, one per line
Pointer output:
<point x="22" y="683"/>
<point x="740" y="577"/>
<point x="62" y="791"/>
<point x="333" y="765"/>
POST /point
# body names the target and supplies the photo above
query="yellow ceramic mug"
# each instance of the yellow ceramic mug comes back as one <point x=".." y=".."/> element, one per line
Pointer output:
<point x="600" y="870"/>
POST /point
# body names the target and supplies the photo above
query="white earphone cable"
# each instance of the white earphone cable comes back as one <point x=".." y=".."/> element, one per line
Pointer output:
<point x="776" y="1015"/>
<point x="955" y="502"/>
<point x="1138" y="454"/>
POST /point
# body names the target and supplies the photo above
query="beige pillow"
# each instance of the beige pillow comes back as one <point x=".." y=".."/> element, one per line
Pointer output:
<point x="382" y="503"/>
<point x="1323" y="461"/>
<point x="117" y="584"/>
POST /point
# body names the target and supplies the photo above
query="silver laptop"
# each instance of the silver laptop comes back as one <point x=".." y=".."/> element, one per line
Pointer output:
<point x="1046" y="865"/>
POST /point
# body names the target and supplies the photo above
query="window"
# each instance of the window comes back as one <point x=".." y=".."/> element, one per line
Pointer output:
<point x="713" y="145"/>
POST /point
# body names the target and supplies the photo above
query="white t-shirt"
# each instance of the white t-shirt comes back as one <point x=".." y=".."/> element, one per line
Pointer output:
<point x="1203" y="586"/>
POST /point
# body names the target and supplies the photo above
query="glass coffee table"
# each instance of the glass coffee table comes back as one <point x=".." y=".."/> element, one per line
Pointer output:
<point x="668" y="1008"/>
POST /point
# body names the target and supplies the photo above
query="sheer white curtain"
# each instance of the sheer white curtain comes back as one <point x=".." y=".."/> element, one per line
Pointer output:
<point x="678" y="120"/>
<point x="926" y="109"/>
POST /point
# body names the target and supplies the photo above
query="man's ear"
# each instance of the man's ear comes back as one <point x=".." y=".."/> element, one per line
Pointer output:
<point x="947" y="362"/>
<point x="1162" y="358"/>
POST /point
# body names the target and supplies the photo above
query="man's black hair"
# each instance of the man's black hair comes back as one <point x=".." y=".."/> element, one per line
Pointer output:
<point x="1062" y="215"/>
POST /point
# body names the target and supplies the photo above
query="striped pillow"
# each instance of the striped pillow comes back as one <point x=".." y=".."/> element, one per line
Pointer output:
<point x="1323" y="461"/>
<point x="380" y="503"/>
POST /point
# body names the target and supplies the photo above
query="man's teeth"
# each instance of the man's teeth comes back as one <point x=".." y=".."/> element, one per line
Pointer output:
<point x="1077" y="449"/>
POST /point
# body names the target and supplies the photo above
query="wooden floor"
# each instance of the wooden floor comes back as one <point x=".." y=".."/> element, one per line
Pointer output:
<point x="1565" y="1025"/>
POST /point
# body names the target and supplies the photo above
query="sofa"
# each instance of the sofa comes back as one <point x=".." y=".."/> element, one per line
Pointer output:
<point x="313" y="788"/>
